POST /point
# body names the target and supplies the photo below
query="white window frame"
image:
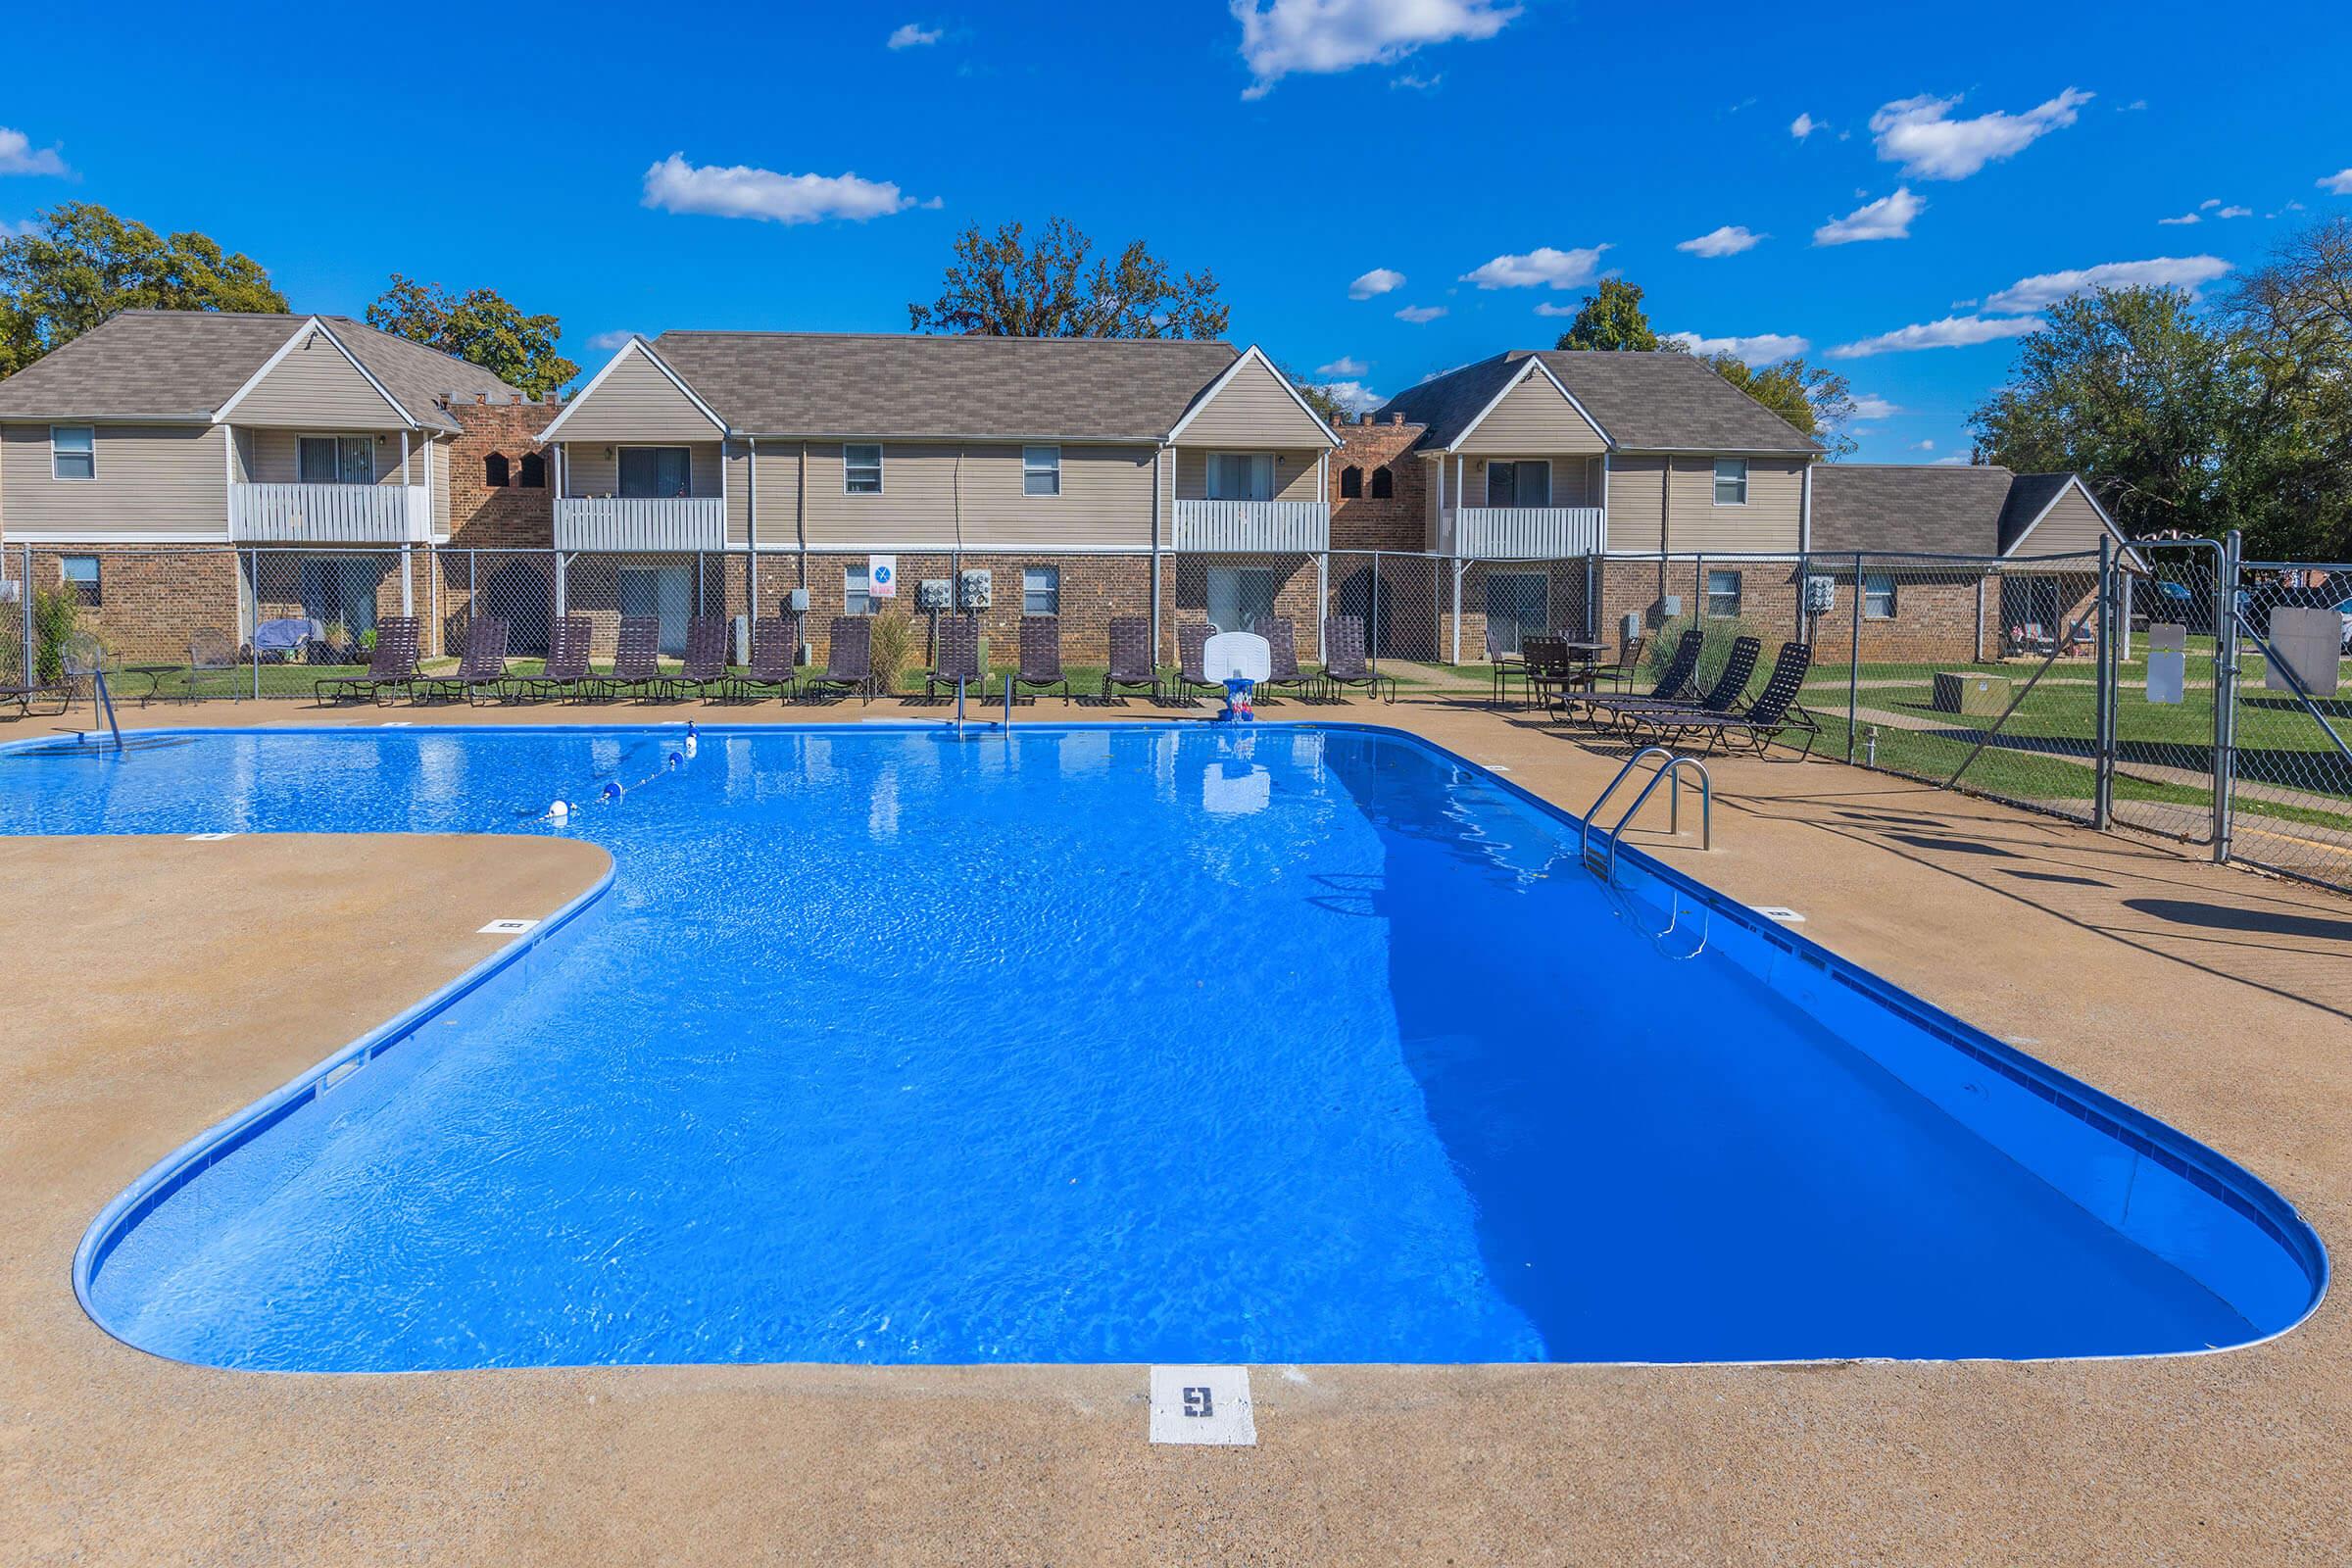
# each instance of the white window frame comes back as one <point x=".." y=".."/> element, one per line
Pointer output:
<point x="857" y="583"/>
<point x="338" y="438"/>
<point x="681" y="447"/>
<point x="1047" y="467"/>
<point x="91" y="452"/>
<point x="1707" y="609"/>
<point x="96" y="580"/>
<point x="1051" y="589"/>
<point x="878" y="464"/>
<point x="1737" y="479"/>
<point x="1871" y="592"/>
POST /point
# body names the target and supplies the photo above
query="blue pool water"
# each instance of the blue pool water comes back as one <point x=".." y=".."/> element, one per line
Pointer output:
<point x="1135" y="1043"/>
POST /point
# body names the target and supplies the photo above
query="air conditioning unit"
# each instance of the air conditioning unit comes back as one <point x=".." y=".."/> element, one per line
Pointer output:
<point x="931" y="594"/>
<point x="975" y="587"/>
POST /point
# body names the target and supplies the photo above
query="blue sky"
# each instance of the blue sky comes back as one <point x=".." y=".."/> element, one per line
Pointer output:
<point x="585" y="166"/>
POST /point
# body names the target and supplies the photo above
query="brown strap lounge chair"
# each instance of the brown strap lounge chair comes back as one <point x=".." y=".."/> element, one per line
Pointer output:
<point x="391" y="666"/>
<point x="1771" y="715"/>
<point x="1675" y="685"/>
<point x="956" y="657"/>
<point x="1041" y="657"/>
<point x="23" y="698"/>
<point x="1192" y="660"/>
<point x="481" y="668"/>
<point x="1131" y="666"/>
<point x="1344" y="661"/>
<point x="775" y="657"/>
<point x="637" y="661"/>
<point x="704" y="666"/>
<point x="1282" y="659"/>
<point x="567" y="671"/>
<point x="849" y="658"/>
<point x="1721" y="697"/>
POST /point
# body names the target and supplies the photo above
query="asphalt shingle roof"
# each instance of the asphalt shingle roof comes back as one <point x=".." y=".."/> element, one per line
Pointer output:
<point x="884" y="385"/>
<point x="2029" y="497"/>
<point x="1659" y="401"/>
<point x="1949" y="510"/>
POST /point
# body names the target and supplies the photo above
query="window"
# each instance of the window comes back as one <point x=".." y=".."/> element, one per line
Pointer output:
<point x="534" y="471"/>
<point x="1041" y="472"/>
<point x="494" y="470"/>
<point x="335" y="460"/>
<point x="1723" y="594"/>
<point x="855" y="600"/>
<point x="1517" y="608"/>
<point x="1241" y="477"/>
<point x="1384" y="483"/>
<point x="653" y="471"/>
<point x="1351" y="482"/>
<point x="1878" y="596"/>
<point x="1240" y="597"/>
<point x="1041" y="590"/>
<point x="861" y="472"/>
<point x="81" y="579"/>
<point x="72" y="452"/>
<point x="1731" y="481"/>
<point x="1519" y="484"/>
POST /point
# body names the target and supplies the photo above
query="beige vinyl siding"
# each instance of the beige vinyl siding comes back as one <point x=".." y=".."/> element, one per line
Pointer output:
<point x="1637" y="505"/>
<point x="150" y="479"/>
<point x="1295" y="474"/>
<point x="779" y="464"/>
<point x="1533" y="418"/>
<point x="1253" y="412"/>
<point x="316" y="387"/>
<point x="274" y="457"/>
<point x="1771" y="520"/>
<point x="1106" y="498"/>
<point x="738" y="486"/>
<point x="2071" y="524"/>
<point x="638" y="404"/>
<point x="1575" y="481"/>
<point x="437" y="456"/>
<point x="593" y="467"/>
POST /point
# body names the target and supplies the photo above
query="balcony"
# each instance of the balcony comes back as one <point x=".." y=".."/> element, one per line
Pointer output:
<point x="640" y="522"/>
<point x="1253" y="526"/>
<point x="330" y="513"/>
<point x="1523" y="532"/>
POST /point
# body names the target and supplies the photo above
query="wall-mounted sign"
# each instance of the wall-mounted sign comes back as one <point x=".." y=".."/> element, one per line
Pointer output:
<point x="882" y="576"/>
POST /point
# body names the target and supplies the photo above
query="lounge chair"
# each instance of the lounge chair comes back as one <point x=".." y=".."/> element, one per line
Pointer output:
<point x="567" y="671"/>
<point x="705" y="663"/>
<point x="1721" y="698"/>
<point x="849" y="658"/>
<point x="1192" y="660"/>
<point x="1772" y="714"/>
<point x="391" y="666"/>
<point x="956" y="659"/>
<point x="1344" y="661"/>
<point x="49" y="690"/>
<point x="1282" y="659"/>
<point x="211" y="651"/>
<point x="1041" y="656"/>
<point x="637" y="660"/>
<point x="1131" y="666"/>
<point x="775" y="657"/>
<point x="1675" y="685"/>
<point x="481" y="668"/>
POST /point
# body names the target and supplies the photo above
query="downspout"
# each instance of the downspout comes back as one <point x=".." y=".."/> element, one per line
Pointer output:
<point x="750" y="534"/>
<point x="1158" y="453"/>
<point x="802" y="520"/>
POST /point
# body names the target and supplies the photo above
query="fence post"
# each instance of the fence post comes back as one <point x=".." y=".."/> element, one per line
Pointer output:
<point x="2102" y="793"/>
<point x="255" y="558"/>
<point x="2225" y="695"/>
<point x="1853" y="663"/>
<point x="432" y="592"/>
<point x="1437" y="601"/>
<point x="1457" y="611"/>
<point x="31" y="676"/>
<point x="1372" y="631"/>
<point x="558" y="566"/>
<point x="1322" y="598"/>
<point x="473" y="586"/>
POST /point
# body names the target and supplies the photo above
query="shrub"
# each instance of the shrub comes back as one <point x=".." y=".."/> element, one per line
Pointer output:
<point x="1713" y="654"/>
<point x="893" y="649"/>
<point x="55" y="616"/>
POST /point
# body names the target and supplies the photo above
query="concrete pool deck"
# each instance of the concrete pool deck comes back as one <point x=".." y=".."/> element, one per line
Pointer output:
<point x="155" y="984"/>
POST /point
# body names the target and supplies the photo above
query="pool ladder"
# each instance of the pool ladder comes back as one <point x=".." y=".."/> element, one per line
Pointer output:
<point x="1599" y="850"/>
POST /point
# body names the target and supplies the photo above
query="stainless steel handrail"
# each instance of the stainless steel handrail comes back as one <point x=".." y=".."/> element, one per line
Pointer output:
<point x="1672" y="768"/>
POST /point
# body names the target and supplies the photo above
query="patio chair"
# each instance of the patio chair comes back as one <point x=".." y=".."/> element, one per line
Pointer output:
<point x="1772" y="713"/>
<point x="391" y="666"/>
<point x="1552" y="673"/>
<point x="211" y="651"/>
<point x="1503" y="661"/>
<point x="42" y="692"/>
<point x="1191" y="662"/>
<point x="481" y="668"/>
<point x="775" y="657"/>
<point x="1344" y="661"/>
<point x="637" y="660"/>
<point x="567" y="671"/>
<point x="1131" y="666"/>
<point x="1721" y="698"/>
<point x="705" y="663"/>
<point x="1282" y="659"/>
<point x="849" y="658"/>
<point x="956" y="657"/>
<point x="1041" y="657"/>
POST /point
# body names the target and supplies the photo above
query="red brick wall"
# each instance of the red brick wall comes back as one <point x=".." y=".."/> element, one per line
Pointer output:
<point x="1368" y="522"/>
<point x="513" y="516"/>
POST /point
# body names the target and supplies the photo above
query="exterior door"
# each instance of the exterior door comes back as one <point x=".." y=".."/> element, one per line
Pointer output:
<point x="1515" y="608"/>
<point x="1240" y="597"/>
<point x="664" y="593"/>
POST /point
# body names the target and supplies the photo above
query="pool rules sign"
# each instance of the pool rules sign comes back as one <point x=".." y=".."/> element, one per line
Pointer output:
<point x="881" y="576"/>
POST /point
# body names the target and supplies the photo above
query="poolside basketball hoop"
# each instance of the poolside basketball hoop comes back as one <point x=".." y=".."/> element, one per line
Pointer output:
<point x="1239" y="660"/>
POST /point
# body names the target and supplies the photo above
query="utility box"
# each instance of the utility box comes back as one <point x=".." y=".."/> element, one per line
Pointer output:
<point x="795" y="600"/>
<point x="1964" y="690"/>
<point x="931" y="594"/>
<point x="1669" y="607"/>
<point x="1821" y="595"/>
<point x="2312" y="642"/>
<point x="976" y="586"/>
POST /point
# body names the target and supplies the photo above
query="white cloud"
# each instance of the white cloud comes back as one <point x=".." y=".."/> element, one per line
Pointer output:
<point x="1887" y="218"/>
<point x="2134" y="104"/>
<point x="1920" y="133"/>
<point x="1804" y="125"/>
<point x="1418" y="314"/>
<point x="1953" y="461"/>
<point x="610" y="342"/>
<point x="2296" y="207"/>
<point x="1728" y="240"/>
<point x="2209" y="204"/>
<point x="1869" y="406"/>
<point x="1434" y="375"/>
<point x="2174" y="222"/>
<point x="1417" y="83"/>
<point x="678" y="186"/>
<point x="1353" y="396"/>
<point x="913" y="35"/>
<point x="2236" y="211"/>
<point x="2339" y="182"/>
<point x="1344" y="364"/>
<point x="1765" y="348"/>
<point x="1379" y="280"/>
<point x="1317" y="37"/>
<point x="1923" y="446"/>
<point x="19" y="156"/>
<point x="1952" y="333"/>
<point x="1541" y="267"/>
<point x="1549" y="309"/>
<point x="2164" y="271"/>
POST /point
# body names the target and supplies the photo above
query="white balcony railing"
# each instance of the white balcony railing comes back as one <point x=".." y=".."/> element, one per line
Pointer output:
<point x="640" y="522"/>
<point x="1252" y="526"/>
<point x="1523" y="532"/>
<point x="330" y="513"/>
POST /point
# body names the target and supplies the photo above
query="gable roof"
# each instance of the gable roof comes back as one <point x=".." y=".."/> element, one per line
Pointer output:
<point x="1253" y="355"/>
<point x="185" y="366"/>
<point x="2029" y="499"/>
<point x="1660" y="402"/>
<point x="1942" y="509"/>
<point x="908" y="385"/>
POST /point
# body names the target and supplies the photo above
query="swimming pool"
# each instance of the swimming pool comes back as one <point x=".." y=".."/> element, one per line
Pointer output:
<point x="1139" y="1042"/>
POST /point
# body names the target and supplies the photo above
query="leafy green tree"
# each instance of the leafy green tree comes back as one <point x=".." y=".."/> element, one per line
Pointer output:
<point x="479" y="326"/>
<point x="1001" y="286"/>
<point x="2286" y="476"/>
<point x="1613" y="319"/>
<point x="1319" y="397"/>
<point x="1814" y="397"/>
<point x="81" y="264"/>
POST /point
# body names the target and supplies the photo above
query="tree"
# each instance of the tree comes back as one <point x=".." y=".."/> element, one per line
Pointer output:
<point x="1814" y="397"/>
<point x="2286" y="472"/>
<point x="999" y="286"/>
<point x="479" y="326"/>
<point x="1613" y="319"/>
<point x="1329" y="405"/>
<point x="82" y="264"/>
